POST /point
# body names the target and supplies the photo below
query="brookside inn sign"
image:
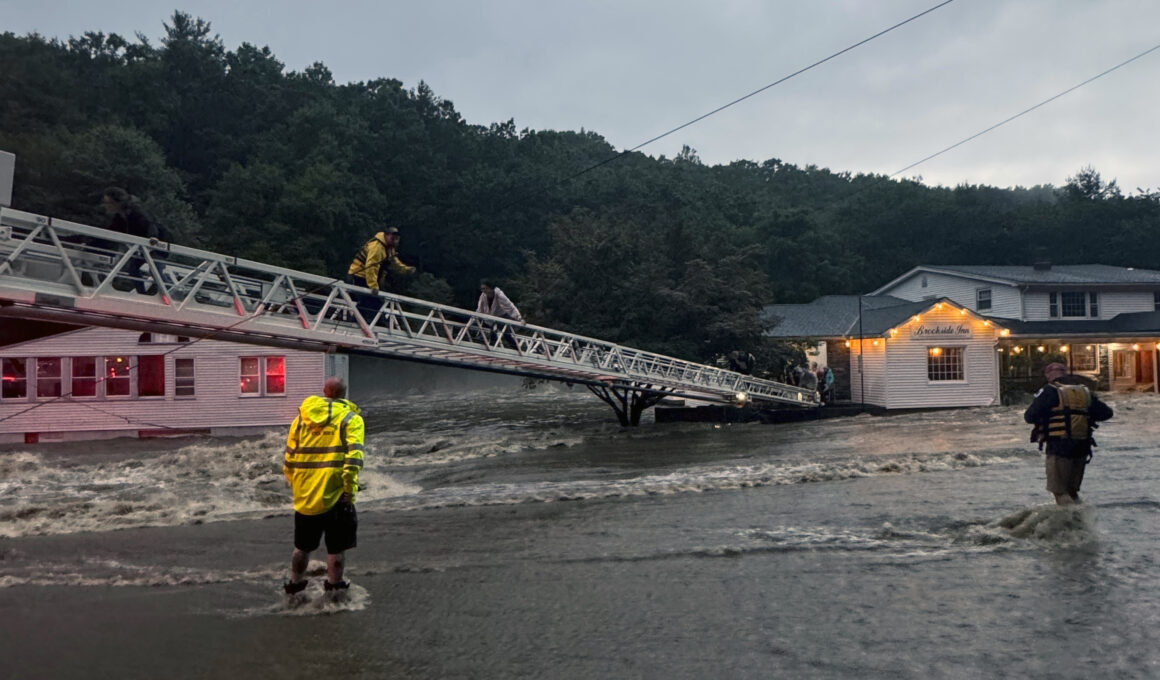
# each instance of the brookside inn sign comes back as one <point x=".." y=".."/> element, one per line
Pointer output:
<point x="949" y="330"/>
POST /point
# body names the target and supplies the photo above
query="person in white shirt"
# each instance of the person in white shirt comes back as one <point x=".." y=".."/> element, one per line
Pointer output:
<point x="493" y="301"/>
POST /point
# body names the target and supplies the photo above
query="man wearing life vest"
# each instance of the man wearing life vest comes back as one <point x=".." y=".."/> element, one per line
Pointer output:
<point x="367" y="267"/>
<point x="1064" y="414"/>
<point x="324" y="453"/>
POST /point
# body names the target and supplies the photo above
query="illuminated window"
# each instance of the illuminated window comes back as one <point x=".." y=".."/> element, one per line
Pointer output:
<point x="944" y="363"/>
<point x="183" y="378"/>
<point x="263" y="376"/>
<point x="983" y="299"/>
<point x="48" y="377"/>
<point x="84" y="377"/>
<point x="117" y="377"/>
<point x="151" y="376"/>
<point x="14" y="375"/>
<point x="251" y="376"/>
<point x="275" y="375"/>
<point x="1083" y="357"/>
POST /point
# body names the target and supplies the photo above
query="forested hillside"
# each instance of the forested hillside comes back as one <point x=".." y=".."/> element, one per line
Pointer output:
<point x="239" y="155"/>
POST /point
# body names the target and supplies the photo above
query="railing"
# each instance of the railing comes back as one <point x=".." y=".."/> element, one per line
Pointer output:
<point x="55" y="269"/>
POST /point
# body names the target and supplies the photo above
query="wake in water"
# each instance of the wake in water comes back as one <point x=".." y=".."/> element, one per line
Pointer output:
<point x="207" y="481"/>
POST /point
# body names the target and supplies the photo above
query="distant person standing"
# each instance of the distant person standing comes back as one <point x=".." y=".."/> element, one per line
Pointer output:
<point x="324" y="453"/>
<point x="826" y="384"/>
<point x="741" y="362"/>
<point x="128" y="218"/>
<point x="1064" y="414"/>
<point x="493" y="301"/>
<point x="367" y="269"/>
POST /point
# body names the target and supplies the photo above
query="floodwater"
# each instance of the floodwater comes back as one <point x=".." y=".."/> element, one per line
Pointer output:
<point x="515" y="533"/>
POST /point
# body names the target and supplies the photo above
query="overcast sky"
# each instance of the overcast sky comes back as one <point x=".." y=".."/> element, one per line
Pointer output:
<point x="632" y="69"/>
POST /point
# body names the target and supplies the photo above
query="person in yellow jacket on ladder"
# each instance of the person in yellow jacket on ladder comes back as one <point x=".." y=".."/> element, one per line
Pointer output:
<point x="324" y="453"/>
<point x="367" y="268"/>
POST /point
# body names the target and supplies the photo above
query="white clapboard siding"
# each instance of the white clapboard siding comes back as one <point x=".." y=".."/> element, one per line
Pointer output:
<point x="874" y="365"/>
<point x="217" y="403"/>
<point x="1111" y="303"/>
<point x="962" y="290"/>
<point x="907" y="353"/>
<point x="1126" y="302"/>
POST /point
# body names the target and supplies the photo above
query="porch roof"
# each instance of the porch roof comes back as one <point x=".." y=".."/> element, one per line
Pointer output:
<point x="1133" y="325"/>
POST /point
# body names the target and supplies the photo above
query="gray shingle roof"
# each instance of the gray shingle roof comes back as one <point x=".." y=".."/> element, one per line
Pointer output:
<point x="1131" y="324"/>
<point x="835" y="316"/>
<point x="1058" y="274"/>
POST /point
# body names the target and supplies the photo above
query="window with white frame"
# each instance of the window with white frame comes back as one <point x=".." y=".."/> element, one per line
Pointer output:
<point x="151" y="375"/>
<point x="49" y="377"/>
<point x="118" y="377"/>
<point x="262" y="376"/>
<point x="983" y="299"/>
<point x="84" y="377"/>
<point x="944" y="363"/>
<point x="14" y="378"/>
<point x="183" y="378"/>
<point x="1074" y="304"/>
<point x="1083" y="358"/>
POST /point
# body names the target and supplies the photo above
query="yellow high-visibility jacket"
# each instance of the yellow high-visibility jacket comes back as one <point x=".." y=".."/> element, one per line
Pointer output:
<point x="324" y="452"/>
<point x="371" y="257"/>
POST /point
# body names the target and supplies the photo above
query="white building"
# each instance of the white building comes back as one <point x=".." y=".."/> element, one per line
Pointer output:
<point x="96" y="383"/>
<point x="1103" y="321"/>
<point x="904" y="355"/>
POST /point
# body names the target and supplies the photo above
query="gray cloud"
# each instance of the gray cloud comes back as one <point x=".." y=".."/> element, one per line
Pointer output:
<point x="632" y="69"/>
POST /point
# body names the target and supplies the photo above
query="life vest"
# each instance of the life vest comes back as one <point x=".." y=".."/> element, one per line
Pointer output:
<point x="1069" y="418"/>
<point x="360" y="259"/>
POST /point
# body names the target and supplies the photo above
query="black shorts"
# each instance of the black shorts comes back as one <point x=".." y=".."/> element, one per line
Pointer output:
<point x="340" y="524"/>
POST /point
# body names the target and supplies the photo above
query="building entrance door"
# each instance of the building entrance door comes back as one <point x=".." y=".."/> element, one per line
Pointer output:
<point x="1145" y="374"/>
<point x="1123" y="370"/>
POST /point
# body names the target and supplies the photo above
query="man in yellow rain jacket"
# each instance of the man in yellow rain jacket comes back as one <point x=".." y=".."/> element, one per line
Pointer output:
<point x="324" y="452"/>
<point x="367" y="267"/>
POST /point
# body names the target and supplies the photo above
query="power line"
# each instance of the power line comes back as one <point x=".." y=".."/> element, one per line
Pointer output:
<point x="1028" y="110"/>
<point x="743" y="98"/>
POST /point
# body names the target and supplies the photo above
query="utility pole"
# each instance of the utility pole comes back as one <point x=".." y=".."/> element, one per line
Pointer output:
<point x="861" y="367"/>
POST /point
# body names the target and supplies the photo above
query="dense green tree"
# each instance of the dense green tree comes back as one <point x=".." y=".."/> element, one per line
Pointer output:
<point x="235" y="153"/>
